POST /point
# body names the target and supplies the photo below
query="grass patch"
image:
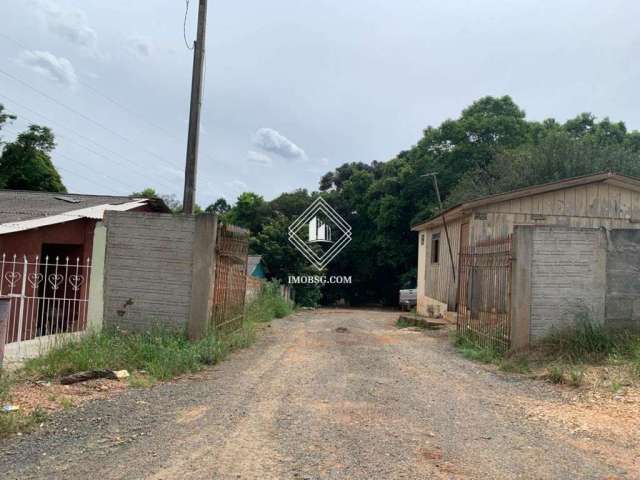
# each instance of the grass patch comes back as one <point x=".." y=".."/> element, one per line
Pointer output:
<point x="474" y="351"/>
<point x="486" y="354"/>
<point x="17" y="421"/>
<point x="150" y="356"/>
<point x="268" y="305"/>
<point x="161" y="353"/>
<point x="404" y="323"/>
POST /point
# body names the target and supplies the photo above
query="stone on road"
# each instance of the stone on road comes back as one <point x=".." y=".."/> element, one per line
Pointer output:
<point x="325" y="394"/>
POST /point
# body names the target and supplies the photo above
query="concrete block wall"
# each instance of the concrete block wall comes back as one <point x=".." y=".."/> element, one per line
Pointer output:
<point x="558" y="272"/>
<point x="568" y="268"/>
<point x="622" y="304"/>
<point x="158" y="270"/>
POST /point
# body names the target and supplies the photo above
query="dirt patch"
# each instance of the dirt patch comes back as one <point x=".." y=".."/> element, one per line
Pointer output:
<point x="191" y="414"/>
<point x="53" y="396"/>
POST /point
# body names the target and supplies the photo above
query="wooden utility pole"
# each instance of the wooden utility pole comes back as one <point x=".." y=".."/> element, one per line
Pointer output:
<point x="188" y="200"/>
<point x="444" y="221"/>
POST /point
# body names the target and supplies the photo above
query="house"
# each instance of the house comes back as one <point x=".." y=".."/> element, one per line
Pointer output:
<point x="256" y="267"/>
<point x="604" y="200"/>
<point x="46" y="244"/>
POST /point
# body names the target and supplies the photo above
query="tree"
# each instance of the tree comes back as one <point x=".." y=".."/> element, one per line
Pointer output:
<point x="490" y="148"/>
<point x="219" y="207"/>
<point x="146" y="193"/>
<point x="4" y="118"/>
<point x="26" y="163"/>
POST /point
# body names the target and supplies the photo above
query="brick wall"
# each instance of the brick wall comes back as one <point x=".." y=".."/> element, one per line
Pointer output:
<point x="148" y="269"/>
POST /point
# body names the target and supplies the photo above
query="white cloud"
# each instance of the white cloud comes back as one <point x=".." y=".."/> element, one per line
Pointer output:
<point x="237" y="186"/>
<point x="55" y="68"/>
<point x="260" y="159"/>
<point x="272" y="141"/>
<point x="68" y="23"/>
<point x="140" y="45"/>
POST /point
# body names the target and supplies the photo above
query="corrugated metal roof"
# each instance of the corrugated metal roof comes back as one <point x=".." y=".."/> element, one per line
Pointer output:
<point x="24" y="210"/>
<point x="20" y="205"/>
<point x="609" y="177"/>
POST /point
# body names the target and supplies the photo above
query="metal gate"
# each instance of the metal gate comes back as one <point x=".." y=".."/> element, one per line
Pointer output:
<point x="484" y="293"/>
<point x="48" y="295"/>
<point x="230" y="281"/>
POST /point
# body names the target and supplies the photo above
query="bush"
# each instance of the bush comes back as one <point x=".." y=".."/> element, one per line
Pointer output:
<point x="589" y="341"/>
<point x="268" y="305"/>
<point x="473" y="351"/>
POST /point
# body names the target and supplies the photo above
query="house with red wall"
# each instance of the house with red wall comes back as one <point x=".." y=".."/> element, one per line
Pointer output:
<point x="46" y="243"/>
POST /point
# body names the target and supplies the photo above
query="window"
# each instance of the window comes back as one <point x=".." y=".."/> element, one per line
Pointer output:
<point x="422" y="238"/>
<point x="435" y="248"/>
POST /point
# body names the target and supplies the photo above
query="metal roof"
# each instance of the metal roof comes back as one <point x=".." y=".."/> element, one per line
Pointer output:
<point x="252" y="262"/>
<point x="22" y="210"/>
<point x="624" y="181"/>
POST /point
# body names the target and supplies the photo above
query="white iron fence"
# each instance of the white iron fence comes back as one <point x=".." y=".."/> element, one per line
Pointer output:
<point x="48" y="295"/>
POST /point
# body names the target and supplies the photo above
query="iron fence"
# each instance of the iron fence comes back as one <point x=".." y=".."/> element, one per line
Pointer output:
<point x="232" y="246"/>
<point x="484" y="293"/>
<point x="48" y="295"/>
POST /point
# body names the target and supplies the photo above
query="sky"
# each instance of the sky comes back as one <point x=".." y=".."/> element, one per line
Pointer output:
<point x="295" y="88"/>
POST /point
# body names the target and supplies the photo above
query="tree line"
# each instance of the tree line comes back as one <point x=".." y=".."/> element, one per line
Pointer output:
<point x="491" y="147"/>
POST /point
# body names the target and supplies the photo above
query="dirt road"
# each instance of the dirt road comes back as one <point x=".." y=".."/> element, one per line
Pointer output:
<point x="307" y="401"/>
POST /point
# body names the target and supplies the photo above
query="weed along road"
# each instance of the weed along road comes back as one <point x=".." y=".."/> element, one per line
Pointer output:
<point x="326" y="394"/>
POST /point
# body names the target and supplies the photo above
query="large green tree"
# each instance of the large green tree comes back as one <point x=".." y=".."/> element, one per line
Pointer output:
<point x="26" y="162"/>
<point x="491" y="147"/>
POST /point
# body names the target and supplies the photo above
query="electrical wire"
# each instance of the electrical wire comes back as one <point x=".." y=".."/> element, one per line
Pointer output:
<point x="184" y="25"/>
<point x="117" y="182"/>
<point x="82" y="115"/>
<point x="118" y="157"/>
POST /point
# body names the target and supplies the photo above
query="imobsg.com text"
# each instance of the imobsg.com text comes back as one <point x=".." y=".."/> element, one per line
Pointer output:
<point x="320" y="279"/>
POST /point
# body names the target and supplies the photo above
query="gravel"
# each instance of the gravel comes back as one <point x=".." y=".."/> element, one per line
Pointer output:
<point x="325" y="394"/>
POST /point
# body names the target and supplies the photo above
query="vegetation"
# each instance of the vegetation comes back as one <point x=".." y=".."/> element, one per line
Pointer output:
<point x="25" y="164"/>
<point x="268" y="305"/>
<point x="564" y="355"/>
<point x="155" y="355"/>
<point x="491" y="147"/>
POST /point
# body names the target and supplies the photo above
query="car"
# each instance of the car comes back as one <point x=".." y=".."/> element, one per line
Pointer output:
<point x="408" y="298"/>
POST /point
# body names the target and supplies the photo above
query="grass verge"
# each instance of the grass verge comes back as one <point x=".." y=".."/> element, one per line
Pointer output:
<point x="155" y="355"/>
<point x="566" y="355"/>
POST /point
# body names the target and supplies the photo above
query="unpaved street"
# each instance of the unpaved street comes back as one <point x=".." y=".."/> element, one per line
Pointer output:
<point x="307" y="401"/>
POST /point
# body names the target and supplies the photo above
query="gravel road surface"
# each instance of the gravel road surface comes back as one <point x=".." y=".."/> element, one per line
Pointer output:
<point x="312" y="401"/>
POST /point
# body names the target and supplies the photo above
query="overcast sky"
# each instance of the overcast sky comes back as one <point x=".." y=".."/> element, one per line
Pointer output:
<point x="295" y="88"/>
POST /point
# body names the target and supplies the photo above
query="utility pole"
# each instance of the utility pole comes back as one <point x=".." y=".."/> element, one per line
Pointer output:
<point x="190" y="169"/>
<point x="444" y="221"/>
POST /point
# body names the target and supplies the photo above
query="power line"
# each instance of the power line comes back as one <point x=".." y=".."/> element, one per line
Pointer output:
<point x="184" y="25"/>
<point x="80" y="114"/>
<point x="74" y="161"/>
<point x="125" y="161"/>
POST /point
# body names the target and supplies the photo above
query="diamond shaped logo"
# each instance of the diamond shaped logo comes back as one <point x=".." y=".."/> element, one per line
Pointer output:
<point x="319" y="233"/>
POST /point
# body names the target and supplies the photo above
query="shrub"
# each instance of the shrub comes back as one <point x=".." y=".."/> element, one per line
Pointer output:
<point x="589" y="341"/>
<point x="474" y="351"/>
<point x="555" y="374"/>
<point x="268" y="305"/>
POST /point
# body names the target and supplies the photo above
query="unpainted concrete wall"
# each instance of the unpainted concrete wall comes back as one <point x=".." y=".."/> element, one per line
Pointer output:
<point x="558" y="273"/>
<point x="622" y="306"/>
<point x="159" y="270"/>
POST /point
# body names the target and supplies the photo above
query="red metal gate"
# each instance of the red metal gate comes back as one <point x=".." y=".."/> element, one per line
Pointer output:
<point x="232" y="246"/>
<point x="484" y="293"/>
